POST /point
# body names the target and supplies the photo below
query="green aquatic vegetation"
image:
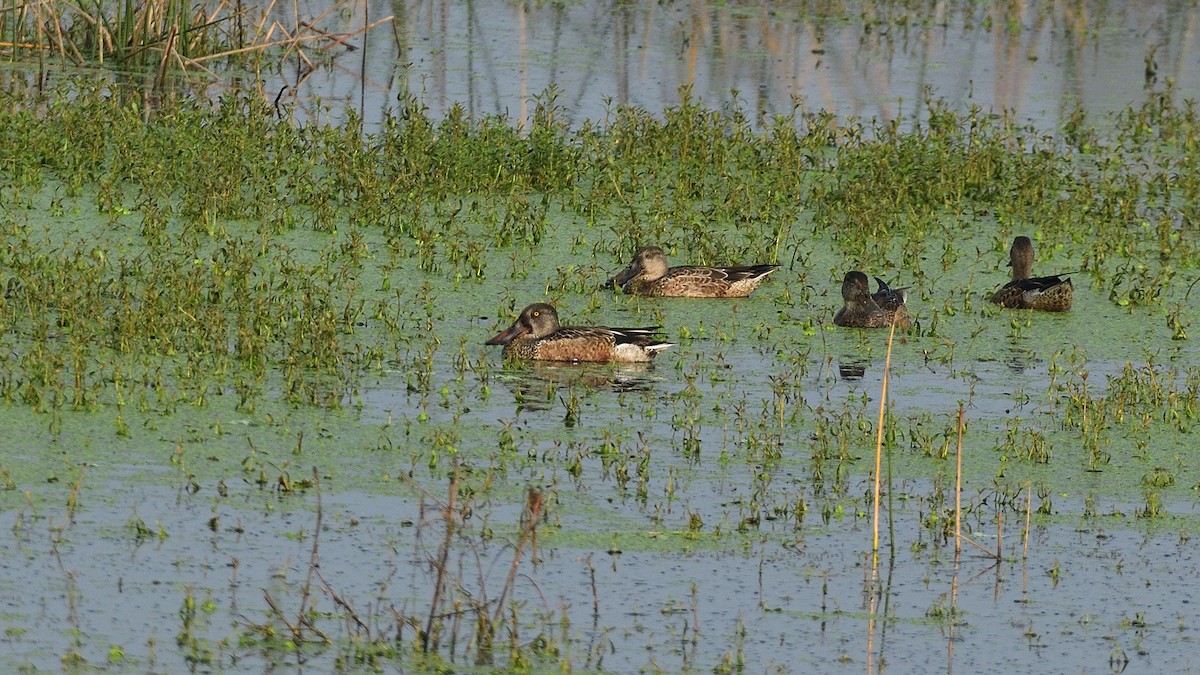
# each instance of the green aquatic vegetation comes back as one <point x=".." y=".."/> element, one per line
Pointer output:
<point x="898" y="184"/>
<point x="923" y="436"/>
<point x="1139" y="405"/>
<point x="266" y="297"/>
<point x="668" y="180"/>
<point x="1028" y="444"/>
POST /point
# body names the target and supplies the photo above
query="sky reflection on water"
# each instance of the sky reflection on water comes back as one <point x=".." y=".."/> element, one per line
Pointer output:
<point x="1040" y="60"/>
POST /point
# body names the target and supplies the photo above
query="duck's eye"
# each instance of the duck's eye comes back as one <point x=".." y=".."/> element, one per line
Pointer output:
<point x="536" y="314"/>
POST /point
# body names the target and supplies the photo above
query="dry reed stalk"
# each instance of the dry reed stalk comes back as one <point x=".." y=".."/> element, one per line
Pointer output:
<point x="293" y="43"/>
<point x="334" y="7"/>
<point x="161" y="78"/>
<point x="345" y="605"/>
<point x="63" y="39"/>
<point x="258" y="29"/>
<point x="1025" y="555"/>
<point x="144" y="25"/>
<point x="990" y="553"/>
<point x="442" y="561"/>
<point x="958" y="535"/>
<point x="312" y="556"/>
<point x="887" y="366"/>
<point x="53" y="19"/>
<point x="293" y="35"/>
<point x="535" y="502"/>
<point x="874" y="567"/>
<point x="25" y="45"/>
<point x="958" y="486"/>
<point x="332" y="37"/>
<point x="185" y="63"/>
<point x="999" y="534"/>
<point x="872" y="599"/>
<point x="162" y="25"/>
<point x="1028" y="514"/>
<point x="303" y="616"/>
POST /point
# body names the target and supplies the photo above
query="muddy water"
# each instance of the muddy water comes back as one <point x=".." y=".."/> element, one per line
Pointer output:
<point x="1041" y="60"/>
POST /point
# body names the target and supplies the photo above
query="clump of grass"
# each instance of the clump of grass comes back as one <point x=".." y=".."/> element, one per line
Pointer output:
<point x="162" y="34"/>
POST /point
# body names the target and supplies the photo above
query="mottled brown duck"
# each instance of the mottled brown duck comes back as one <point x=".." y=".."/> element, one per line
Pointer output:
<point x="1052" y="294"/>
<point x="649" y="274"/>
<point x="860" y="309"/>
<point x="536" y="334"/>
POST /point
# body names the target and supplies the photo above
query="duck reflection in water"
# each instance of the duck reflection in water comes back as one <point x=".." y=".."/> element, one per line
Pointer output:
<point x="852" y="370"/>
<point x="542" y="385"/>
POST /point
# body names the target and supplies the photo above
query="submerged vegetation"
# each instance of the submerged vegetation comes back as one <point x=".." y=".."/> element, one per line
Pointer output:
<point x="210" y="286"/>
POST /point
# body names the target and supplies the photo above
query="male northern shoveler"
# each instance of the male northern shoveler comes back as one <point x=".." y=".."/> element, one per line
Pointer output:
<point x="1052" y="294"/>
<point x="537" y="335"/>
<point x="649" y="274"/>
<point x="889" y="299"/>
<point x="862" y="311"/>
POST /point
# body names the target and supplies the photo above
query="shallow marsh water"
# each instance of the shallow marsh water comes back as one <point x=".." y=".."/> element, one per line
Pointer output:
<point x="1040" y="60"/>
<point x="720" y="497"/>
<point x="758" y="581"/>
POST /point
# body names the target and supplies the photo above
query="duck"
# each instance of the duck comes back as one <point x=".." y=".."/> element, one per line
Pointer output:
<point x="1051" y="293"/>
<point x="650" y="275"/>
<point x="537" y="335"/>
<point x="862" y="310"/>
<point x="889" y="299"/>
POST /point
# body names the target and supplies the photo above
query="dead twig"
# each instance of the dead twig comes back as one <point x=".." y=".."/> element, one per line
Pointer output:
<point x="534" y="503"/>
<point x="442" y="562"/>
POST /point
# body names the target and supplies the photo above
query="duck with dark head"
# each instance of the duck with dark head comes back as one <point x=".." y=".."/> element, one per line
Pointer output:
<point x="536" y="334"/>
<point x="862" y="310"/>
<point x="1051" y="293"/>
<point x="649" y="274"/>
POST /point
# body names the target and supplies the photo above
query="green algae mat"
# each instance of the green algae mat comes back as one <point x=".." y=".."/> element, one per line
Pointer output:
<point x="250" y="421"/>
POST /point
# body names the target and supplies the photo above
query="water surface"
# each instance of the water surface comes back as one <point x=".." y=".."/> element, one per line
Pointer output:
<point x="1039" y="60"/>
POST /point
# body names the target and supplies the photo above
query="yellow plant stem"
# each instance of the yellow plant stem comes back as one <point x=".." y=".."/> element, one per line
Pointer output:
<point x="883" y="393"/>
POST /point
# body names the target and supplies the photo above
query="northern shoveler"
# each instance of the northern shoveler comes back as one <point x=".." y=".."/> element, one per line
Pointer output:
<point x="862" y="311"/>
<point x="649" y="274"/>
<point x="889" y="299"/>
<point x="1052" y="294"/>
<point x="537" y="335"/>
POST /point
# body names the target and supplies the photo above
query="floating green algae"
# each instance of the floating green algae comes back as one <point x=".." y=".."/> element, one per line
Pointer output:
<point x="204" y="303"/>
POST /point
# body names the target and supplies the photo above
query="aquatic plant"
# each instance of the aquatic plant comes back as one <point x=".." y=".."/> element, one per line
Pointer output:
<point x="164" y="35"/>
<point x="214" y="290"/>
